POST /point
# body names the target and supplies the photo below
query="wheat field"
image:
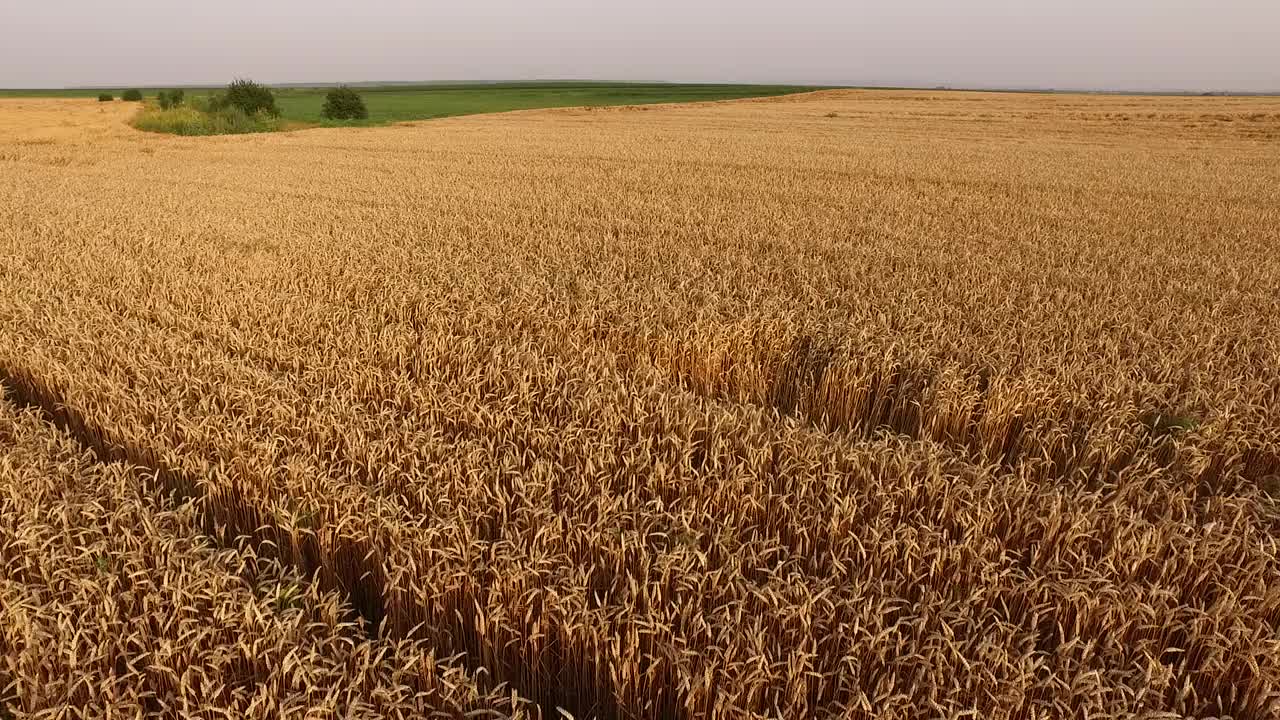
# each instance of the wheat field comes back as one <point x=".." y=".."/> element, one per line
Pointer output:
<point x="850" y="404"/>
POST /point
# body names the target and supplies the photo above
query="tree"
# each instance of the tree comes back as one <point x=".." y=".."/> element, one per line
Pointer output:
<point x="170" y="98"/>
<point x="343" y="103"/>
<point x="250" y="97"/>
<point x="132" y="95"/>
<point x="105" y="97"/>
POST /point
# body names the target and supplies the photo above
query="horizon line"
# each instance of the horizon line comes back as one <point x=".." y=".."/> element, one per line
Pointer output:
<point x="547" y="81"/>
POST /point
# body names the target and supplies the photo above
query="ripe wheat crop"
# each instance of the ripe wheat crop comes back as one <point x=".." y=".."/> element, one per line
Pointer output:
<point x="114" y="603"/>
<point x="837" y="405"/>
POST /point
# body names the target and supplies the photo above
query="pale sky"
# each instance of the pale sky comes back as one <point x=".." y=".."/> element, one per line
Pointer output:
<point x="1104" y="44"/>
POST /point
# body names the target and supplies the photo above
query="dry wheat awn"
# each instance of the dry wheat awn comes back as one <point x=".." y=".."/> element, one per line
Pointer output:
<point x="950" y="405"/>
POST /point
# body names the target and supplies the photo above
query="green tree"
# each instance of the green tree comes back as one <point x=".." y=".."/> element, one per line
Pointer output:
<point x="105" y="97"/>
<point x="132" y="95"/>
<point x="251" y="97"/>
<point x="171" y="98"/>
<point x="343" y="103"/>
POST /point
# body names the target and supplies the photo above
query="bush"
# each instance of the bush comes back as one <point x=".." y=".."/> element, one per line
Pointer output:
<point x="185" y="120"/>
<point x="212" y="102"/>
<point x="176" y="121"/>
<point x="233" y="120"/>
<point x="343" y="103"/>
<point x="132" y="95"/>
<point x="250" y="97"/>
<point x="170" y="99"/>
<point x="105" y="97"/>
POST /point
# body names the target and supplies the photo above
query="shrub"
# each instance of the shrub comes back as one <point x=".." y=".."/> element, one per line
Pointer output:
<point x="176" y="121"/>
<point x="212" y="102"/>
<point x="343" y="103"/>
<point x="251" y="98"/>
<point x="170" y="99"/>
<point x="105" y="97"/>
<point x="233" y="120"/>
<point x="186" y="120"/>
<point x="132" y="95"/>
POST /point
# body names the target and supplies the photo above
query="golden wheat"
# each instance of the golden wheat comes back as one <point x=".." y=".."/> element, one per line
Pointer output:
<point x="111" y="605"/>
<point x="942" y="404"/>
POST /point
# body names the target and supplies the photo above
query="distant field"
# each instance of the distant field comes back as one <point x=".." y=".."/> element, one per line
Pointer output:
<point x="399" y="103"/>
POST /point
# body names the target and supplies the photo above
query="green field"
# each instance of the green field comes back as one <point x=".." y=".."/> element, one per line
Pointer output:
<point x="397" y="103"/>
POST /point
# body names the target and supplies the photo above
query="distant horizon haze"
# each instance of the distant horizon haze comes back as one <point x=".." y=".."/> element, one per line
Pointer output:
<point x="1140" y="45"/>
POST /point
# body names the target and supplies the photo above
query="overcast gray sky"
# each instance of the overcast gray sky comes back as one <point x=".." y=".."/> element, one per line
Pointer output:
<point x="1147" y="44"/>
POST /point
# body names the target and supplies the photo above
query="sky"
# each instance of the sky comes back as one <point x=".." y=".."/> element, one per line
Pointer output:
<point x="1078" y="44"/>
